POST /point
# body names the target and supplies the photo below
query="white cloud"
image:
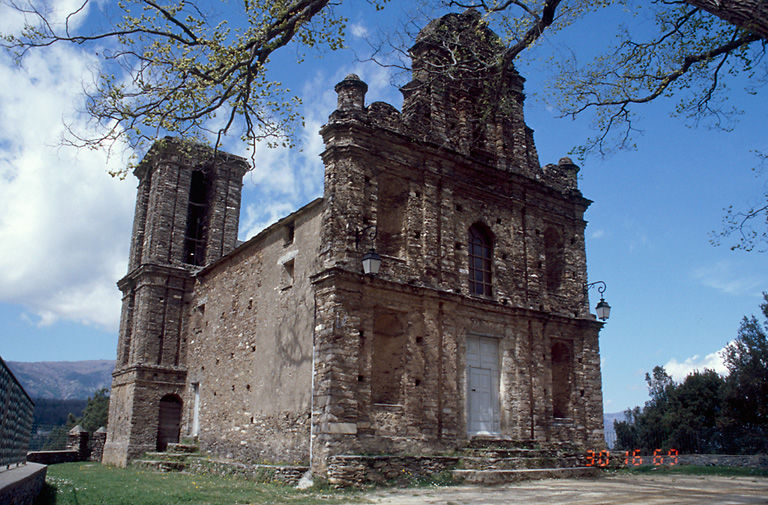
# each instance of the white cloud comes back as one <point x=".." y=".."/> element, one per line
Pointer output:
<point x="282" y="179"/>
<point x="358" y="30"/>
<point x="680" y="370"/>
<point x="64" y="222"/>
<point x="597" y="234"/>
<point x="257" y="217"/>
<point x="726" y="277"/>
<point x="12" y="20"/>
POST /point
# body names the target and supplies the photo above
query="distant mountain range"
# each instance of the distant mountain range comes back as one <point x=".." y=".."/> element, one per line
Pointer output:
<point x="610" y="432"/>
<point x="63" y="380"/>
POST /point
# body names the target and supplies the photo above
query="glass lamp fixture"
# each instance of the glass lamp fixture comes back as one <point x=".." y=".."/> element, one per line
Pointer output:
<point x="371" y="263"/>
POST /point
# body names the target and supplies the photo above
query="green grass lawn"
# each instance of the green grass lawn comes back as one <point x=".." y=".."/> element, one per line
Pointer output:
<point x="94" y="484"/>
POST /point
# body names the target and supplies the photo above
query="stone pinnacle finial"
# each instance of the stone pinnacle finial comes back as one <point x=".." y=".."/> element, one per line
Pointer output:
<point x="351" y="93"/>
<point x="568" y="171"/>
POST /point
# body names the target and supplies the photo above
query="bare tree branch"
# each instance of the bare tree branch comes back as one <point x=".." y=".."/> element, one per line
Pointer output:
<point x="181" y="70"/>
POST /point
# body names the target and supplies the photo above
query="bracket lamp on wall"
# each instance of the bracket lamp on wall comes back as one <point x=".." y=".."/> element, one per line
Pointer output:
<point x="603" y="309"/>
<point x="371" y="263"/>
<point x="371" y="260"/>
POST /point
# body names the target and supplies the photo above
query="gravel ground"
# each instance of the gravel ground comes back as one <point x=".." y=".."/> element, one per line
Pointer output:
<point x="612" y="489"/>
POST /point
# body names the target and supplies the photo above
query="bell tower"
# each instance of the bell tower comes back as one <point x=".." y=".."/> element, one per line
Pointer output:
<point x="187" y="213"/>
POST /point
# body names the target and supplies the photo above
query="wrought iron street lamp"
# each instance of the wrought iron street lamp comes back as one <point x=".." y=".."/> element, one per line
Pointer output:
<point x="603" y="309"/>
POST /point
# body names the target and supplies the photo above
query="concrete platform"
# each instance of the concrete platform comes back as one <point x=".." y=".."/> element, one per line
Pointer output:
<point x="20" y="485"/>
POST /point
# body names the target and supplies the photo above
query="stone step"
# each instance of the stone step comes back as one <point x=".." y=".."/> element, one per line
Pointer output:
<point x="491" y="477"/>
<point x="160" y="465"/>
<point x="288" y="474"/>
<point x="486" y="463"/>
<point x="182" y="448"/>
<point x="500" y="443"/>
<point x="510" y="444"/>
<point x="487" y="452"/>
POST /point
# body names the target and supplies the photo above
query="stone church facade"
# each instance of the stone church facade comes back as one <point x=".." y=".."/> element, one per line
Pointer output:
<point x="282" y="349"/>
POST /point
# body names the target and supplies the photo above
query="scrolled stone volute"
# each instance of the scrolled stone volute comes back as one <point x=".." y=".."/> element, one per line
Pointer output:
<point x="351" y="93"/>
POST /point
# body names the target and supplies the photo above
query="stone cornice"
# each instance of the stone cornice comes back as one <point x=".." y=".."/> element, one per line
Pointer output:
<point x="334" y="273"/>
<point x="148" y="269"/>
<point x="352" y="128"/>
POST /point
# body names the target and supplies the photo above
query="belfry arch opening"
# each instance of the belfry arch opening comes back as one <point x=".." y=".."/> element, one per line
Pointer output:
<point x="197" y="220"/>
<point x="169" y="421"/>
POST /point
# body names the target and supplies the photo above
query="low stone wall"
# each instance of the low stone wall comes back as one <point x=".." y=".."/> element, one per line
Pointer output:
<point x="21" y="485"/>
<point x="81" y="446"/>
<point x="287" y="474"/>
<point x="750" y="461"/>
<point x="96" y="445"/>
<point x="53" y="457"/>
<point x="358" y="470"/>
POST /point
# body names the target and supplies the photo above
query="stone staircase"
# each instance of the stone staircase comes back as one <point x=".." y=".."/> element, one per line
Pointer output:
<point x="497" y="461"/>
<point x="188" y="458"/>
<point x="175" y="459"/>
<point x="483" y="461"/>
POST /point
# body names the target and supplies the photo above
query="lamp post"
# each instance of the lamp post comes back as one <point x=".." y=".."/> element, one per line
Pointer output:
<point x="603" y="309"/>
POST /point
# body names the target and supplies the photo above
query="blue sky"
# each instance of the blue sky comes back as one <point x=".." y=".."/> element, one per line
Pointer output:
<point x="677" y="300"/>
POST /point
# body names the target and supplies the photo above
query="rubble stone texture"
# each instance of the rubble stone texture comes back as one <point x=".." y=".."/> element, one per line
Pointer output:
<point x="282" y="350"/>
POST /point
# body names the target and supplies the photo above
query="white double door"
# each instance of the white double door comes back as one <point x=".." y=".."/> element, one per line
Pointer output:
<point x="482" y="385"/>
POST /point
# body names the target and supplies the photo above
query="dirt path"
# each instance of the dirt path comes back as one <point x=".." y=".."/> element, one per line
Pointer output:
<point x="621" y="489"/>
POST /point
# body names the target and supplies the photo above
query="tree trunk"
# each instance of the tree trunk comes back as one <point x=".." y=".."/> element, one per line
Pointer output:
<point x="750" y="15"/>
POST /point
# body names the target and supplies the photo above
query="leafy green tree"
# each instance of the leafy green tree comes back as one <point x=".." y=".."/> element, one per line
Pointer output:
<point x="653" y="426"/>
<point x="746" y="388"/>
<point x="93" y="417"/>
<point x="682" y="416"/>
<point x="627" y="437"/>
<point x="695" y="409"/>
<point x="95" y="414"/>
<point x="707" y="413"/>
<point x="660" y="384"/>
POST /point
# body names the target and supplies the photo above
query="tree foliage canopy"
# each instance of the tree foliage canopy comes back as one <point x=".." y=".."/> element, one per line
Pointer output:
<point x="181" y="67"/>
<point x="707" y="413"/>
<point x="185" y="68"/>
<point x="93" y="416"/>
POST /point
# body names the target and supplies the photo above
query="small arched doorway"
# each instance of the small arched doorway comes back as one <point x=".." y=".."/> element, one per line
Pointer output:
<point x="169" y="422"/>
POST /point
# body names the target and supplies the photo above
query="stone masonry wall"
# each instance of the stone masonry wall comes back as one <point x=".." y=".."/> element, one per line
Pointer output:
<point x="282" y="348"/>
<point x="250" y="335"/>
<point x="428" y="413"/>
<point x="391" y="365"/>
<point x="445" y="194"/>
<point x="151" y="354"/>
<point x="22" y="485"/>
